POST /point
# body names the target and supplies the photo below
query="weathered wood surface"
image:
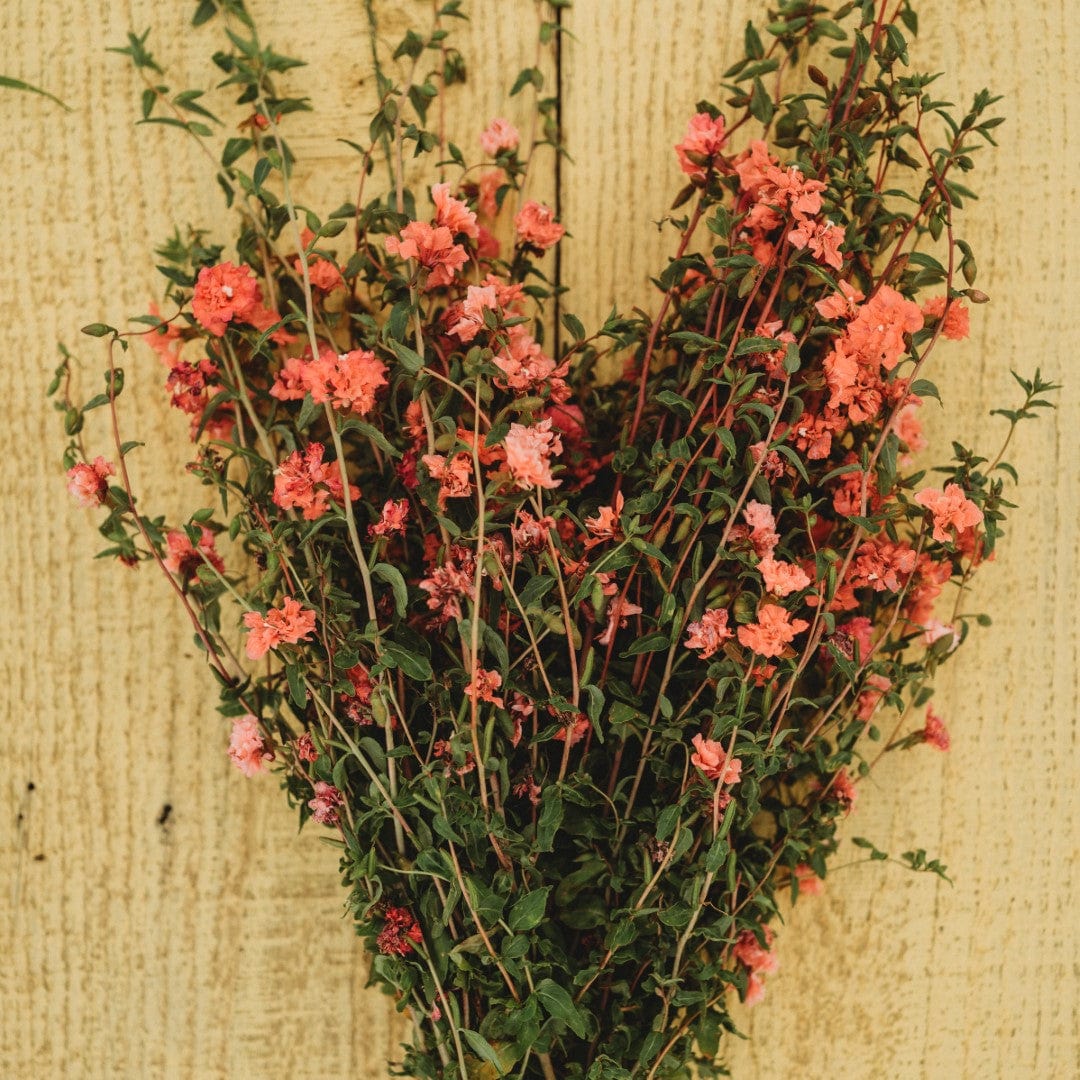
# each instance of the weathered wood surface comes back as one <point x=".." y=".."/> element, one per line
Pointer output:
<point x="211" y="943"/>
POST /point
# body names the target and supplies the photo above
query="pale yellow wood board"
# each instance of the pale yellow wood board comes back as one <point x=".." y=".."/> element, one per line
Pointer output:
<point x="213" y="946"/>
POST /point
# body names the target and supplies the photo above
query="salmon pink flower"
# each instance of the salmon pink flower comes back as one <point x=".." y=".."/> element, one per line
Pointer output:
<point x="809" y="883"/>
<point x="184" y="558"/>
<point x="712" y="759"/>
<point x="453" y="213"/>
<point x="165" y="339"/>
<point x="433" y="248"/>
<point x="286" y="625"/>
<point x="619" y="611"/>
<point x="303" y="481"/>
<point x="934" y="732"/>
<point x="305" y="748"/>
<point x="483" y="685"/>
<point x="324" y="807"/>
<point x="323" y="274"/>
<point x="955" y="323"/>
<point x="773" y="632"/>
<point x="710" y="633"/>
<point x="536" y="225"/>
<point x="528" y="454"/>
<point x="355" y="380"/>
<point x="704" y="139"/>
<point x="225" y="293"/>
<point x="500" y="135"/>
<point x="89" y="484"/>
<point x="248" y="751"/>
<point x="395" y="513"/>
<point x="951" y="509"/>
<point x="782" y="578"/>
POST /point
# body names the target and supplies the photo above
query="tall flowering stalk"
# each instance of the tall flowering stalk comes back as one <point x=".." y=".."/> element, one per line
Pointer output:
<point x="581" y="673"/>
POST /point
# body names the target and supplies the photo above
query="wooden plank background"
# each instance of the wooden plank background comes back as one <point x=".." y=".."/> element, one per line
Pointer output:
<point x="212" y="944"/>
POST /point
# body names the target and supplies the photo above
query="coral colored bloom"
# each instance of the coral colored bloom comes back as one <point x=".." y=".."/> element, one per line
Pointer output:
<point x="704" y="139"/>
<point x="323" y="274"/>
<point x="225" y="293"/>
<point x="934" y="732"/>
<point x="841" y="305"/>
<point x="951" y="509"/>
<point x="753" y="955"/>
<point x="184" y="558"/>
<point x="453" y="213"/>
<point x="498" y="136"/>
<point x="711" y="758"/>
<point x="305" y="748"/>
<point x="809" y="883"/>
<point x="355" y="379"/>
<point x="773" y="632"/>
<point x="762" y="524"/>
<point x="305" y="482"/>
<point x="89" y="484"/>
<point x="433" y="248"/>
<point x="844" y="790"/>
<point x="488" y="197"/>
<point x="782" y="578"/>
<point x="469" y="320"/>
<point x="957" y="321"/>
<point x="935" y="631"/>
<point x="874" y="690"/>
<point x="395" y="513"/>
<point x="286" y="625"/>
<point x="248" y="751"/>
<point x="710" y="633"/>
<point x="876" y="334"/>
<point x="400" y="933"/>
<point x="454" y="475"/>
<point x="483" y="685"/>
<point x="605" y="526"/>
<point x="528" y="454"/>
<point x="301" y="375"/>
<point x="536" y="225"/>
<point x="618" y="612"/>
<point x="324" y="807"/>
<point x="523" y="362"/>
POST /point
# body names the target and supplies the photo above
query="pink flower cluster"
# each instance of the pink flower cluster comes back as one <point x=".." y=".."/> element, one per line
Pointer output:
<point x="400" y="933"/>
<point x="529" y="453"/>
<point x="348" y="381"/>
<point x="303" y="481"/>
<point x="326" y="803"/>
<point x="225" y="294"/>
<point x="247" y="748"/>
<point x="89" y="484"/>
<point x="758" y="961"/>
<point x="712" y="759"/>
<point x="536" y="226"/>
<point x="287" y="625"/>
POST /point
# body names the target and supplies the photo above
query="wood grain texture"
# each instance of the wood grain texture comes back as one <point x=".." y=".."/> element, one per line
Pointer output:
<point x="213" y="945"/>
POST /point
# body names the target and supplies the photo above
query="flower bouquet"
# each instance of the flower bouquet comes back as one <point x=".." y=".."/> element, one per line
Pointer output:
<point x="575" y="641"/>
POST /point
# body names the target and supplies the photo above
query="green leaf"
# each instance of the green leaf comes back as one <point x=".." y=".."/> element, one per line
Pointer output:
<point x="652" y="642"/>
<point x="416" y="667"/>
<point x="98" y="329"/>
<point x="234" y="150"/>
<point x="18" y="84"/>
<point x="392" y="576"/>
<point x="528" y="912"/>
<point x="560" y="1006"/>
<point x="483" y="1049"/>
<point x="551" y="815"/>
<point x="297" y="690"/>
<point x="409" y="359"/>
